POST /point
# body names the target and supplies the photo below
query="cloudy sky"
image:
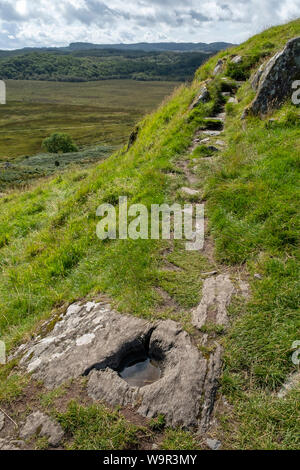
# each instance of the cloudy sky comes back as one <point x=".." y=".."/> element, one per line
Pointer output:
<point x="59" y="22"/>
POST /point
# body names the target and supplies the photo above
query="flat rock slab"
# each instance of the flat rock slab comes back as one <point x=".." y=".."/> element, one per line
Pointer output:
<point x="11" y="444"/>
<point x="211" y="133"/>
<point x="42" y="425"/>
<point x="92" y="339"/>
<point x="86" y="335"/>
<point x="190" y="191"/>
<point x="273" y="80"/>
<point x="216" y="296"/>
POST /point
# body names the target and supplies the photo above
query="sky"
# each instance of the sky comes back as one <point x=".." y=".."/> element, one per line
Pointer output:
<point x="60" y="22"/>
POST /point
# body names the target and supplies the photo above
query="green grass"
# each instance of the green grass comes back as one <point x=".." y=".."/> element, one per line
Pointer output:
<point x="184" y="283"/>
<point x="101" y="113"/>
<point x="96" y="428"/>
<point x="11" y="384"/>
<point x="264" y="422"/>
<point x="178" y="439"/>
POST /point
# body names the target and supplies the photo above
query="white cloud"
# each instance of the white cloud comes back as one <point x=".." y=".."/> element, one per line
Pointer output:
<point x="59" y="22"/>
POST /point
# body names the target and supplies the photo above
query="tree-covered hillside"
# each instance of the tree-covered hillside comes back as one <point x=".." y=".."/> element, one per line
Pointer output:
<point x="98" y="64"/>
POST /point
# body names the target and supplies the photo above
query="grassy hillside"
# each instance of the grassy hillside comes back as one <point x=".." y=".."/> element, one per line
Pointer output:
<point x="50" y="255"/>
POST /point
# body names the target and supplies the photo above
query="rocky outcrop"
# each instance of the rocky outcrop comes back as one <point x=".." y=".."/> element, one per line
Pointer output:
<point x="94" y="340"/>
<point x="273" y="80"/>
<point x="218" y="68"/>
<point x="38" y="423"/>
<point x="202" y="97"/>
<point x="87" y="334"/>
<point x="237" y="59"/>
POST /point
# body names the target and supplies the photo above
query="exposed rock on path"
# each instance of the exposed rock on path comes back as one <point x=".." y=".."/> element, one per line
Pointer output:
<point x="216" y="296"/>
<point x="86" y="335"/>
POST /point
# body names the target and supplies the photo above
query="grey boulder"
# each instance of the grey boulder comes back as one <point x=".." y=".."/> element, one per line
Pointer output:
<point x="41" y="424"/>
<point x="273" y="80"/>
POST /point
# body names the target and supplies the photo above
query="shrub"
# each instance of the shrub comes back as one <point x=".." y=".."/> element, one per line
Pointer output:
<point x="59" y="143"/>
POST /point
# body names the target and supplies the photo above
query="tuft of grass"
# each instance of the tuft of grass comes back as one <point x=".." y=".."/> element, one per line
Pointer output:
<point x="178" y="439"/>
<point x="11" y="384"/>
<point x="201" y="151"/>
<point x="95" y="428"/>
<point x="158" y="423"/>
<point x="262" y="422"/>
<point x="41" y="443"/>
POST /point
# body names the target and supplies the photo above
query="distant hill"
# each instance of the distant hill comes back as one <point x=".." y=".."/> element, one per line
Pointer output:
<point x="159" y="46"/>
<point x="141" y="46"/>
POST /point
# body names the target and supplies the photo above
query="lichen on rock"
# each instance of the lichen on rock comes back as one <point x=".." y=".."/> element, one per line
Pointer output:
<point x="273" y="80"/>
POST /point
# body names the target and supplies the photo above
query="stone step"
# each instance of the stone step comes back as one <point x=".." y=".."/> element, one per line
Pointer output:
<point x="211" y="133"/>
<point x="221" y="116"/>
<point x="233" y="100"/>
<point x="189" y="191"/>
